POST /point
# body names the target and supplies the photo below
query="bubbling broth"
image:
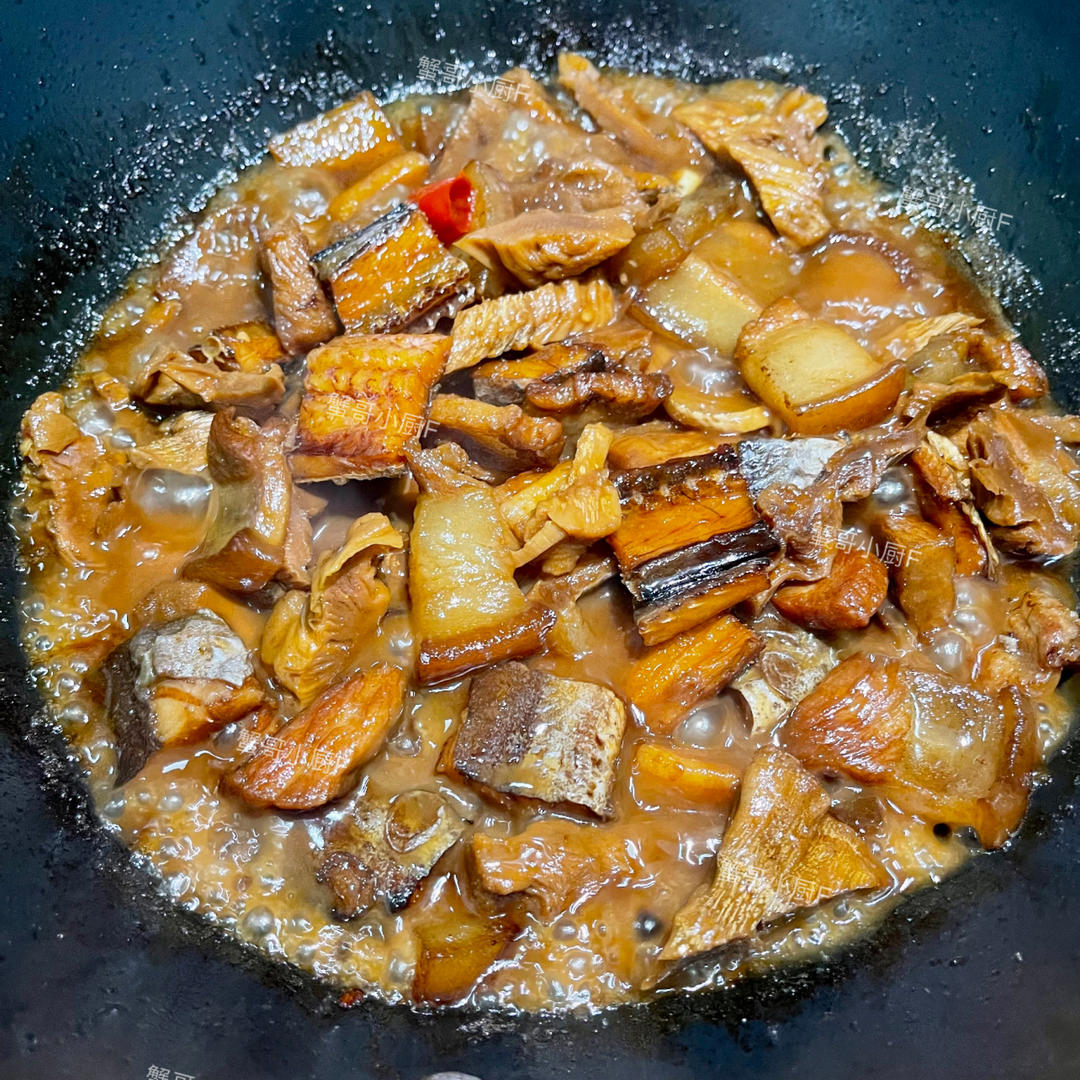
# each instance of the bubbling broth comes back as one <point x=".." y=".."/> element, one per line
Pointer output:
<point x="553" y="544"/>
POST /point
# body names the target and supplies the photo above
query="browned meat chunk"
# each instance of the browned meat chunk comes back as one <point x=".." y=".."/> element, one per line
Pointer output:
<point x="390" y="273"/>
<point x="303" y="316"/>
<point x="922" y="561"/>
<point x="532" y="734"/>
<point x="244" y="546"/>
<point x="173" y="683"/>
<point x="670" y="679"/>
<point x="311" y="637"/>
<point x="500" y="437"/>
<point x="457" y="949"/>
<point x="529" y="320"/>
<point x="382" y="850"/>
<point x="1047" y="628"/>
<point x="312" y="758"/>
<point x="782" y="851"/>
<point x="543" y="245"/>
<point x="627" y="395"/>
<point x="930" y="744"/>
<point x="847" y="599"/>
<point x="236" y="365"/>
<point x="813" y="374"/>
<point x="559" y="862"/>
<point x="1025" y="482"/>
<point x="365" y="404"/>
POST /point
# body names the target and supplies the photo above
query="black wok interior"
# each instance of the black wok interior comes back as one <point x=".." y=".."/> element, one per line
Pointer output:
<point x="114" y="118"/>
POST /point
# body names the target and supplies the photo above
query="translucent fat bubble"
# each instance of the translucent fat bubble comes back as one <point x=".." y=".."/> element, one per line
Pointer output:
<point x="170" y="499"/>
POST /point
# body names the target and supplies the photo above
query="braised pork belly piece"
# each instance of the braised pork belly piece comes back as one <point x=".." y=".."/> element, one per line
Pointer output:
<point x="930" y="743"/>
<point x="467" y="609"/>
<point x="531" y="546"/>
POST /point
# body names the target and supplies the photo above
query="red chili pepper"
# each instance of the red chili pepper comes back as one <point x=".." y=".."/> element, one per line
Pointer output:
<point x="448" y="206"/>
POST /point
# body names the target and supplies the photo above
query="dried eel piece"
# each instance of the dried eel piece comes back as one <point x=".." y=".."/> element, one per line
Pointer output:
<point x="536" y="735"/>
<point x="691" y="543"/>
<point x="173" y="683"/>
<point x="365" y="404"/>
<point x="528" y="320"/>
<point x="388" y="274"/>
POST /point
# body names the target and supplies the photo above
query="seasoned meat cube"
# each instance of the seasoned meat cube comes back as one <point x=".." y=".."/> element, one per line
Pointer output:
<point x="174" y="682"/>
<point x="244" y="546"/>
<point x="533" y="734"/>
<point x="467" y="608"/>
<point x="391" y="272"/>
<point x="782" y="851"/>
<point x="560" y="862"/>
<point x="383" y="849"/>
<point x="311" y="637"/>
<point x="529" y="320"/>
<point x="303" y="316"/>
<point x="670" y="679"/>
<point x="501" y="437"/>
<point x="237" y="365"/>
<point x="354" y="137"/>
<point x="365" y="403"/>
<point x="1024" y="481"/>
<point x="543" y="245"/>
<point x="923" y="568"/>
<point x="312" y="758"/>
<point x="930" y="744"/>
<point x="847" y="599"/>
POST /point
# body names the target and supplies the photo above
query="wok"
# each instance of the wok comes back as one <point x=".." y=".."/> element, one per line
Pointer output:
<point x="114" y="118"/>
